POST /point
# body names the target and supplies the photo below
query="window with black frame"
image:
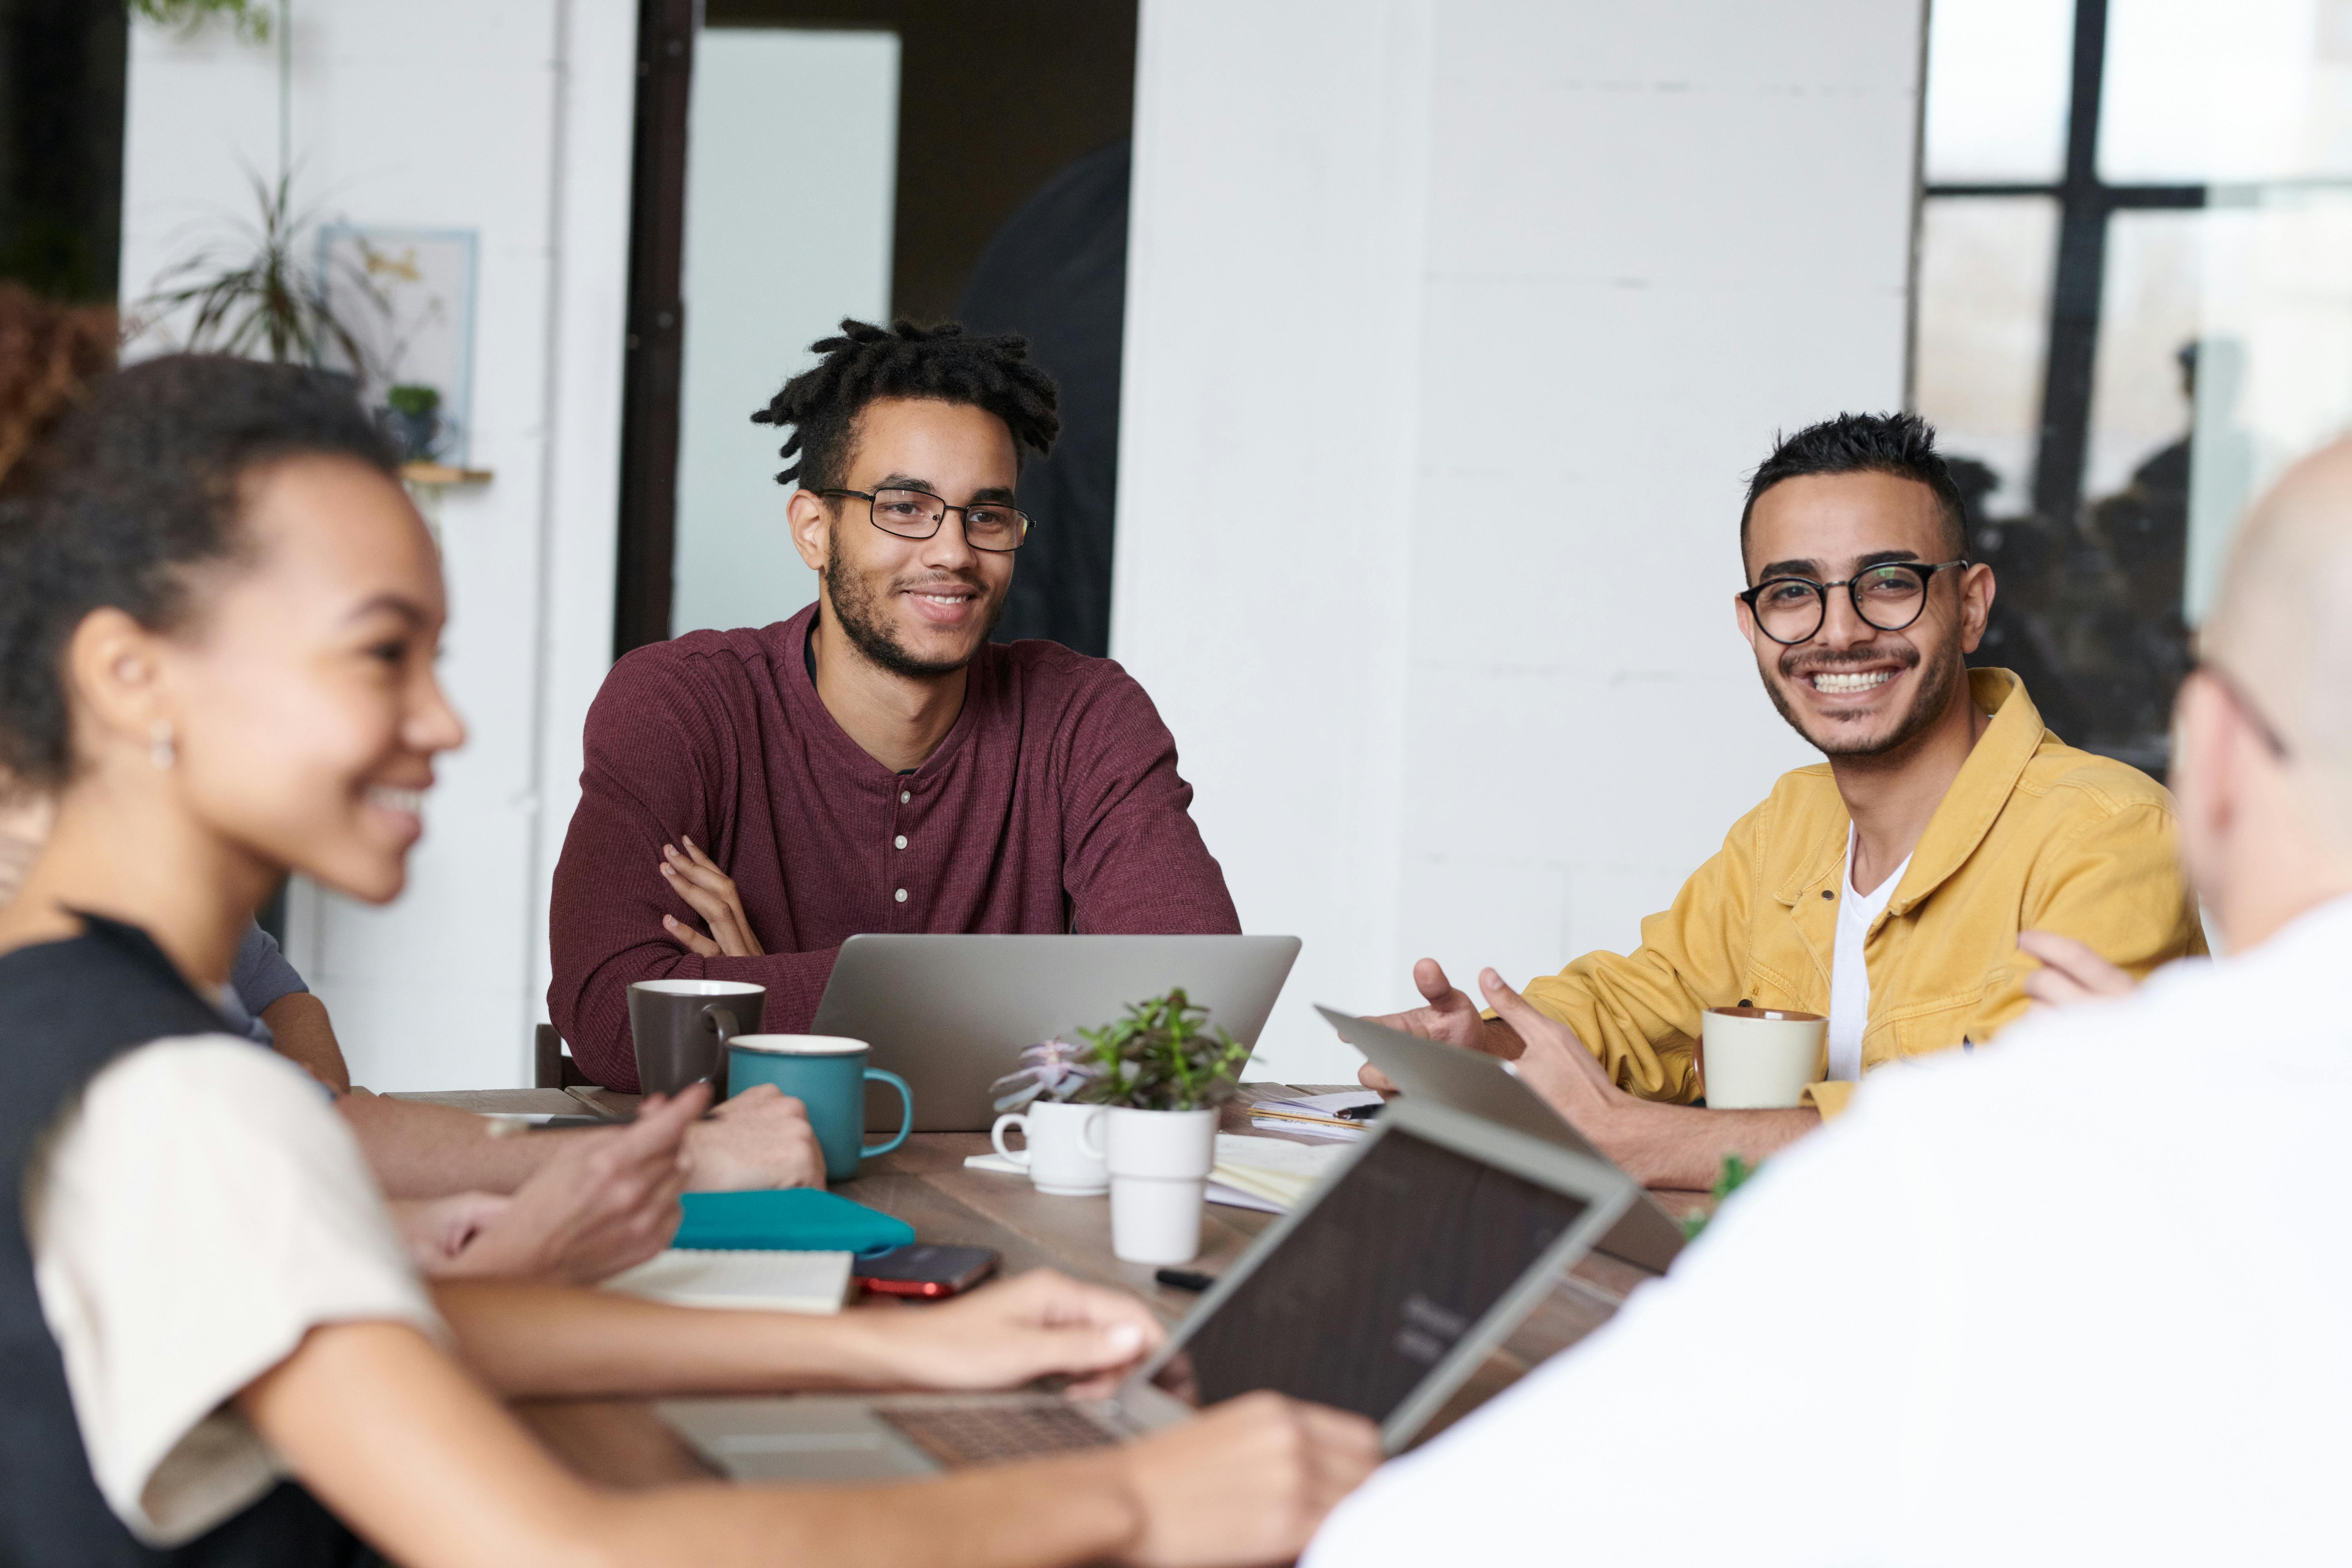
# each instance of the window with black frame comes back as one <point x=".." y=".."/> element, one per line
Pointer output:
<point x="2135" y="309"/>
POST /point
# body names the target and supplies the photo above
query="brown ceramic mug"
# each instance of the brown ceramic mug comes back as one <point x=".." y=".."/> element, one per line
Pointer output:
<point x="681" y="1030"/>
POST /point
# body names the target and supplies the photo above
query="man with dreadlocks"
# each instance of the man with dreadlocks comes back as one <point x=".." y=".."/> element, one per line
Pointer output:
<point x="875" y="763"/>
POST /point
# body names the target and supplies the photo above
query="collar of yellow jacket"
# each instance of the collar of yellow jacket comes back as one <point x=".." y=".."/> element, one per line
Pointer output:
<point x="1985" y="782"/>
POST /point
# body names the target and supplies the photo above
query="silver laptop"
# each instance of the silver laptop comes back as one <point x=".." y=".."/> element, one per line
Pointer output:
<point x="951" y="1014"/>
<point x="1380" y="1293"/>
<point x="1647" y="1237"/>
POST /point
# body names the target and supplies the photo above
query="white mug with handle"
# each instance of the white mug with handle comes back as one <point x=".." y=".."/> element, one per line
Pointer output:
<point x="1058" y="1157"/>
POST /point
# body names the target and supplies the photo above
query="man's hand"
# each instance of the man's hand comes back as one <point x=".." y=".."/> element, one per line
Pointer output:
<point x="760" y="1137"/>
<point x="1679" y="1146"/>
<point x="1248" y="1481"/>
<point x="696" y="877"/>
<point x="606" y="1201"/>
<point x="2070" y="971"/>
<point x="1554" y="1063"/>
<point x="1450" y="1016"/>
<point x="1013" y="1332"/>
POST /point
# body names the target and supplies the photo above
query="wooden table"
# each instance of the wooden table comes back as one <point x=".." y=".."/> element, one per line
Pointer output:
<point x="924" y="1182"/>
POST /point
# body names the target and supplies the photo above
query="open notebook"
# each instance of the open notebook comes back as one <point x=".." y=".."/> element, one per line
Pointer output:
<point x="766" y="1281"/>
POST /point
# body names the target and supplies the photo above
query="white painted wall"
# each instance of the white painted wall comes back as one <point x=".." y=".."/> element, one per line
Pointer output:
<point x="792" y="183"/>
<point x="1393" y="262"/>
<point x="513" y="119"/>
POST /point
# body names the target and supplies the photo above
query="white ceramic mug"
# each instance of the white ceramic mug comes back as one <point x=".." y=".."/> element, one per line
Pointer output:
<point x="1158" y="1164"/>
<point x="1058" y="1158"/>
<point x="1760" y="1058"/>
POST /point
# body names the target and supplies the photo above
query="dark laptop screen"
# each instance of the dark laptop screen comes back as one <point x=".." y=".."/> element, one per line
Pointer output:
<point x="1412" y="1248"/>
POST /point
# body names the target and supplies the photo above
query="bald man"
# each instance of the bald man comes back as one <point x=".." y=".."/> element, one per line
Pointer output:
<point x="2080" y="1299"/>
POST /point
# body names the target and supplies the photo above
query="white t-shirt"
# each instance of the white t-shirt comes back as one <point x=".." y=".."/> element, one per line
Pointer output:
<point x="1849" y="976"/>
<point x="2079" y="1298"/>
<point x="202" y="1210"/>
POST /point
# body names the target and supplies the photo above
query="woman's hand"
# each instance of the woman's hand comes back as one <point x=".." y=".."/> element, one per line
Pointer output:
<point x="1007" y="1334"/>
<point x="436" y="1231"/>
<point x="608" y="1200"/>
<point x="696" y="877"/>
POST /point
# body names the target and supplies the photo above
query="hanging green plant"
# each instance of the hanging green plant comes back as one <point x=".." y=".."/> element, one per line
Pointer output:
<point x="1162" y="1057"/>
<point x="250" y="18"/>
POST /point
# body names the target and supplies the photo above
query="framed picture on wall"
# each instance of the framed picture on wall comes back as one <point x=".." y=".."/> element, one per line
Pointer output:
<point x="406" y="295"/>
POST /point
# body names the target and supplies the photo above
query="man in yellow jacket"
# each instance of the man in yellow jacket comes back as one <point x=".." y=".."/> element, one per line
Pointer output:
<point x="1887" y="889"/>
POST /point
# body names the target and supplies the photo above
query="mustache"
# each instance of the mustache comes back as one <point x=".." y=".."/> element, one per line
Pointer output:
<point x="941" y="580"/>
<point x="1796" y="664"/>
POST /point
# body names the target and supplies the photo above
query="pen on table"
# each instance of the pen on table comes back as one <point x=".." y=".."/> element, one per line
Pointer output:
<point x="1185" y="1278"/>
<point x="1359" y="1112"/>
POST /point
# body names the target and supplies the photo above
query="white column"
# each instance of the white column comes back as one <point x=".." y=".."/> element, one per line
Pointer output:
<point x="1453" y="332"/>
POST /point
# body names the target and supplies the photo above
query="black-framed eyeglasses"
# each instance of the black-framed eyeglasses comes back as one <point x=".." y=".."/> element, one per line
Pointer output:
<point x="918" y="514"/>
<point x="2275" y="743"/>
<point x="1791" y="610"/>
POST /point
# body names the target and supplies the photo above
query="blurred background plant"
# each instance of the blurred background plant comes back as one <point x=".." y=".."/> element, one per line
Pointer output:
<point x="253" y="295"/>
<point x="1162" y="1057"/>
<point x="413" y="414"/>
<point x="1735" y="1172"/>
<point x="251" y="18"/>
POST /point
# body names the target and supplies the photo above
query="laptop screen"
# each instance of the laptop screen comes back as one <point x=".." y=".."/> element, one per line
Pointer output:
<point x="1376" y="1284"/>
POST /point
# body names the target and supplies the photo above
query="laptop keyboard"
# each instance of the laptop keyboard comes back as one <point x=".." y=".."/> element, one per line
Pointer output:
<point x="957" y="1435"/>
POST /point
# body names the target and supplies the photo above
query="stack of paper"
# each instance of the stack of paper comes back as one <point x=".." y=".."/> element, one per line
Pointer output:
<point x="1268" y="1173"/>
<point x="815" y="1282"/>
<point x="1314" y="1115"/>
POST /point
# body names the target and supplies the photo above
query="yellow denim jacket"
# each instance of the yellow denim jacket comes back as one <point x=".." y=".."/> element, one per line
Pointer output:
<point x="2033" y="835"/>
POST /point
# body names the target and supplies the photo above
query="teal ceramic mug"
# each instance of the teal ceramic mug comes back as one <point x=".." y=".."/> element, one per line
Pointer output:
<point x="828" y="1074"/>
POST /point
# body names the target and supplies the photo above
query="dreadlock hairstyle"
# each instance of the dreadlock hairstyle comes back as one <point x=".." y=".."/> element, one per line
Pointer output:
<point x="868" y="362"/>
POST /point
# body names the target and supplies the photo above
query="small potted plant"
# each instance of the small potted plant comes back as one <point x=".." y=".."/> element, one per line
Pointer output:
<point x="412" y="416"/>
<point x="1162" y="1070"/>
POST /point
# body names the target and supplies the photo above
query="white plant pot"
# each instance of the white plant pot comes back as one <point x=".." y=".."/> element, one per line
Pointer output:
<point x="1158" y="1164"/>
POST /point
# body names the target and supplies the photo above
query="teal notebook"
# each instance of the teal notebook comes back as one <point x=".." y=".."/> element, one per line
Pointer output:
<point x="791" y="1219"/>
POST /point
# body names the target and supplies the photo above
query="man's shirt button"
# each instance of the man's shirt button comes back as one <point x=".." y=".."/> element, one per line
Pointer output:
<point x="905" y="795"/>
<point x="902" y="895"/>
<point x="900" y="841"/>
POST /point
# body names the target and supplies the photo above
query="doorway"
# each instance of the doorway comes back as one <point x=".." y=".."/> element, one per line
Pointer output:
<point x="976" y="196"/>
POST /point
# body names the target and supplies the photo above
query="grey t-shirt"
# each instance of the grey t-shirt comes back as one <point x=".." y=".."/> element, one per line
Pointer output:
<point x="259" y="976"/>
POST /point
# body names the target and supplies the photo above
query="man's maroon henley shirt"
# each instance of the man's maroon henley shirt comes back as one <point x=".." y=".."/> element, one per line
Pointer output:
<point x="1054" y="804"/>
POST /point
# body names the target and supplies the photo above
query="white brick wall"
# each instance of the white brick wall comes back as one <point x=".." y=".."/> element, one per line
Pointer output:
<point x="1393" y="261"/>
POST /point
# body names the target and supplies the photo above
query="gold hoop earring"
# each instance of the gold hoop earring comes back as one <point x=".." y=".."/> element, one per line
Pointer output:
<point x="160" y="749"/>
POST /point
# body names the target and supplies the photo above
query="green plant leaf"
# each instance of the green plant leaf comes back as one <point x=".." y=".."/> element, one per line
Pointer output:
<point x="1162" y="1056"/>
<point x="258" y="298"/>
<point x="250" y="18"/>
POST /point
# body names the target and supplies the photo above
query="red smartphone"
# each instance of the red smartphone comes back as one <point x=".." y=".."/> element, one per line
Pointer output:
<point x="925" y="1271"/>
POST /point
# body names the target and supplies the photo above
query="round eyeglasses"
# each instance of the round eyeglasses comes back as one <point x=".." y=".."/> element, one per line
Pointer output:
<point x="1791" y="610"/>
<point x="918" y="514"/>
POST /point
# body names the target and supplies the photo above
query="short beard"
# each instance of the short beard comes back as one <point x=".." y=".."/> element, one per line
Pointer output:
<point x="858" y="606"/>
<point x="1943" y="675"/>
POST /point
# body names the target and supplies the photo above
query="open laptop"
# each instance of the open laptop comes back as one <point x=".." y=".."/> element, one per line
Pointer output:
<point x="1380" y="1293"/>
<point x="1647" y="1237"/>
<point x="951" y="1014"/>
